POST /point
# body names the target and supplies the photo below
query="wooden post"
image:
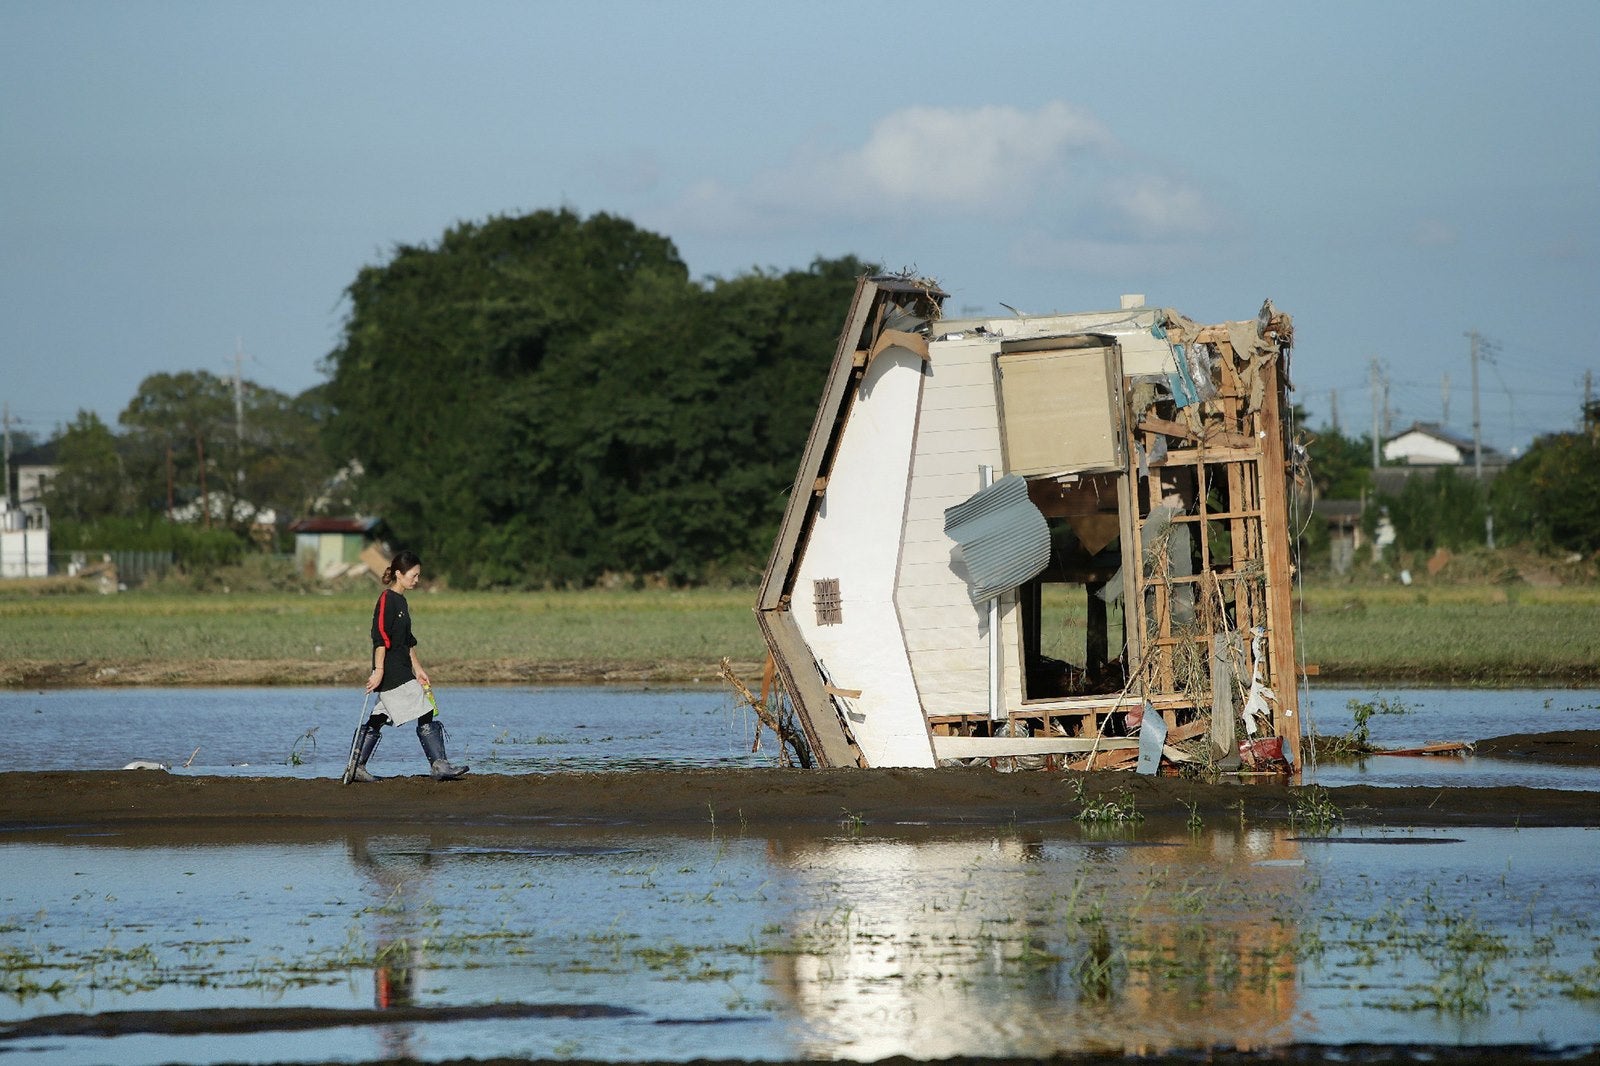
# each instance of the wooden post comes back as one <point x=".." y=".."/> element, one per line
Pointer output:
<point x="1275" y="552"/>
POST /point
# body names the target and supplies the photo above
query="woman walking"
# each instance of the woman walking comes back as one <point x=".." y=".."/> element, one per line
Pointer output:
<point x="398" y="677"/>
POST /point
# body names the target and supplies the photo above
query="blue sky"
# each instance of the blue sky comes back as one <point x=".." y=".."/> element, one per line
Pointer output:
<point x="178" y="178"/>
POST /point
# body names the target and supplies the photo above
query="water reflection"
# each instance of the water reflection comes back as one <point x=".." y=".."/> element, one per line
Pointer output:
<point x="934" y="950"/>
<point x="520" y="729"/>
<point x="867" y="943"/>
<point x="396" y="933"/>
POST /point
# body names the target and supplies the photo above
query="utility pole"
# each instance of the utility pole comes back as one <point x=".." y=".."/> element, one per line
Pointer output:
<point x="238" y="408"/>
<point x="7" y="421"/>
<point x="1446" y="420"/>
<point x="1335" y="409"/>
<point x="1373" y="376"/>
<point x="1477" y="423"/>
<point x="1477" y="441"/>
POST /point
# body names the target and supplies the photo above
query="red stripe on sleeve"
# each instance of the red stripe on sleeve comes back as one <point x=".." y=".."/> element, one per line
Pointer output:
<point x="383" y="601"/>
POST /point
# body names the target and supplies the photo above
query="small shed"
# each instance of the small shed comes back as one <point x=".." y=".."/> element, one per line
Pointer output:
<point x="333" y="546"/>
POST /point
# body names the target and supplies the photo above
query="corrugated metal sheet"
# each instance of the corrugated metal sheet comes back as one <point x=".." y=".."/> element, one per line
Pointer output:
<point x="1003" y="536"/>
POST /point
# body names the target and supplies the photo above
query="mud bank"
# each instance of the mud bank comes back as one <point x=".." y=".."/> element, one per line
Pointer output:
<point x="1571" y="747"/>
<point x="678" y="801"/>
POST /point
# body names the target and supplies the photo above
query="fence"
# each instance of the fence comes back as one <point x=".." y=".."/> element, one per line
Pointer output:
<point x="133" y="567"/>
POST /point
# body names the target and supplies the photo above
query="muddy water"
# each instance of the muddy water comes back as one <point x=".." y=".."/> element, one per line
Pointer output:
<point x="305" y="732"/>
<point x="868" y="942"/>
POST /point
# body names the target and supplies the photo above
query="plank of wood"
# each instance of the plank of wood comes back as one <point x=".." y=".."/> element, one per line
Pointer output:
<point x="998" y="747"/>
<point x="1107" y="760"/>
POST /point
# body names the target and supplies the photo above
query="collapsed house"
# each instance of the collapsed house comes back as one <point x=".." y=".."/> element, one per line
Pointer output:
<point x="1040" y="540"/>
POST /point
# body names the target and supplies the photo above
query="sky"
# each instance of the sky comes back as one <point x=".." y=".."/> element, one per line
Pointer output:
<point x="186" y="183"/>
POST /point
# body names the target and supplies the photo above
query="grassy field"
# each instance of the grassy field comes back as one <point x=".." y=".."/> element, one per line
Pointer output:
<point x="1447" y="634"/>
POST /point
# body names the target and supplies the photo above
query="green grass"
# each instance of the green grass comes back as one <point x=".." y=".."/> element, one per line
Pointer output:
<point x="1460" y="634"/>
<point x="1486" y="634"/>
<point x="642" y="626"/>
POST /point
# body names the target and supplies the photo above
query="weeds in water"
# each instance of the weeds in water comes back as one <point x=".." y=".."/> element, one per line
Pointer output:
<point x="1194" y="821"/>
<point x="296" y="756"/>
<point x="1108" y="811"/>
<point x="1585" y="984"/>
<point x="1357" y="742"/>
<point x="1095" y="971"/>
<point x="852" y="821"/>
<point x="1313" y="809"/>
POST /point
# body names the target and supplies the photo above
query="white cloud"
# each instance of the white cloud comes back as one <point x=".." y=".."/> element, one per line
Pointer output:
<point x="1157" y="204"/>
<point x="982" y="161"/>
<point x="977" y="159"/>
<point x="1055" y="171"/>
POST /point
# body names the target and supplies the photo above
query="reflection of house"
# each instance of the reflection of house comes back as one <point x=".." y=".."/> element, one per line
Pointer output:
<point x="1008" y="533"/>
<point x="900" y="956"/>
<point x="331" y="547"/>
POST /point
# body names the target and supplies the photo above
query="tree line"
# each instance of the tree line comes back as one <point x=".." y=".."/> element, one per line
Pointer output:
<point x="1548" y="497"/>
<point x="552" y="399"/>
<point x="541" y="399"/>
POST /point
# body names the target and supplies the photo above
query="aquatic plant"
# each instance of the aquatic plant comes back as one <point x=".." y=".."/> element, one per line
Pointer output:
<point x="1107" y="811"/>
<point x="295" y="755"/>
<point x="1312" y="808"/>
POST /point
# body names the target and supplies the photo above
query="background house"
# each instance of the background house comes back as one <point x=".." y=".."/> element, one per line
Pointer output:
<point x="33" y="469"/>
<point x="1429" y="444"/>
<point x="332" y="547"/>
<point x="1425" y="448"/>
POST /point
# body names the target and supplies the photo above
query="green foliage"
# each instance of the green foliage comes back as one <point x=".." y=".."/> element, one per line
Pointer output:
<point x="1442" y="511"/>
<point x="90" y="482"/>
<point x="175" y="426"/>
<point x="193" y="548"/>
<point x="1341" y="467"/>
<point x="1551" y="495"/>
<point x="1312" y="808"/>
<point x="548" y="398"/>
<point x="183" y="443"/>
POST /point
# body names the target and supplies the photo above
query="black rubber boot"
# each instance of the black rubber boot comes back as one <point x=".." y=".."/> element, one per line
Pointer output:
<point x="431" y="734"/>
<point x="366" y="741"/>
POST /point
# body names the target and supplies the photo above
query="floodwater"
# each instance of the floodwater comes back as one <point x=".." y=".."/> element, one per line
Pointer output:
<point x="865" y="941"/>
<point x="305" y="732"/>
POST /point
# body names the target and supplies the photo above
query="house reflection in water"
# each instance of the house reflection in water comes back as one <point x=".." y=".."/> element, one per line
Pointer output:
<point x="1044" y="945"/>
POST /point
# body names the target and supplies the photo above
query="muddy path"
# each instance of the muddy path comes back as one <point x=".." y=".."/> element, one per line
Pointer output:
<point x="244" y="809"/>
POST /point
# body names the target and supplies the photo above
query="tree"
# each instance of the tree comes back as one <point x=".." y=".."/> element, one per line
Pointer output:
<point x="172" y="421"/>
<point x="1341" y="467"/>
<point x="90" y="482"/>
<point x="1442" y="511"/>
<point x="282" y="462"/>
<point x="184" y="444"/>
<point x="548" y="398"/>
<point x="1550" y="496"/>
